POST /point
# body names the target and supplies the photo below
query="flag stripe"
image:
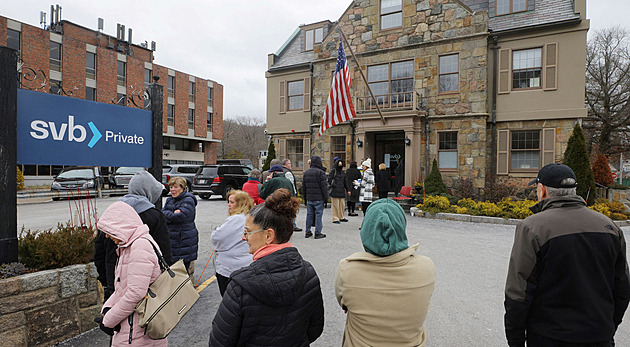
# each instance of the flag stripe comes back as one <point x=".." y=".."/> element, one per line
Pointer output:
<point x="339" y="106"/>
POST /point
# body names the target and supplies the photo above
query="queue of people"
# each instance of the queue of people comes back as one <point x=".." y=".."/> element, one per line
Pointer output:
<point x="568" y="282"/>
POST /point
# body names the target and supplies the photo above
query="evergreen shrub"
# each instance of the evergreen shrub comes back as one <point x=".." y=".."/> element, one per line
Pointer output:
<point x="601" y="171"/>
<point x="271" y="155"/>
<point x="576" y="157"/>
<point x="49" y="249"/>
<point x="434" y="184"/>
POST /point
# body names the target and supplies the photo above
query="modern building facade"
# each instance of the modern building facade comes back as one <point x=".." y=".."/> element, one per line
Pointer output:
<point x="490" y="89"/>
<point x="68" y="59"/>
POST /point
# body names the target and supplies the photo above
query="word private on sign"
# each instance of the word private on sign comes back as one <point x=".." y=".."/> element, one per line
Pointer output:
<point x="59" y="130"/>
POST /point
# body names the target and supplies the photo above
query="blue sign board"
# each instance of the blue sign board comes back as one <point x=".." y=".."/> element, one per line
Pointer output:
<point x="59" y="130"/>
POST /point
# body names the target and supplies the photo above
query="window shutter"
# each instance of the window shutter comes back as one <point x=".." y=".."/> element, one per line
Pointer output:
<point x="282" y="150"/>
<point x="503" y="152"/>
<point x="283" y="98"/>
<point x="548" y="146"/>
<point x="551" y="66"/>
<point x="307" y="94"/>
<point x="504" y="70"/>
<point x="306" y="152"/>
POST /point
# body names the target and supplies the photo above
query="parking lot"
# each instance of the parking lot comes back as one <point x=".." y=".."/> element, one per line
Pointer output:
<point x="470" y="259"/>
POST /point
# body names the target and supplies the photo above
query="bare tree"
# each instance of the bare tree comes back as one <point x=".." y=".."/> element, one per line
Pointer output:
<point x="608" y="91"/>
<point x="243" y="137"/>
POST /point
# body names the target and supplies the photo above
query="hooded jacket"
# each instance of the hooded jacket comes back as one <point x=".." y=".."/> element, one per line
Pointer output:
<point x="337" y="180"/>
<point x="314" y="182"/>
<point x="144" y="191"/>
<point x="275" y="301"/>
<point x="137" y="268"/>
<point x="568" y="274"/>
<point x="181" y="226"/>
<point x="365" y="284"/>
<point x="353" y="174"/>
<point x="278" y="181"/>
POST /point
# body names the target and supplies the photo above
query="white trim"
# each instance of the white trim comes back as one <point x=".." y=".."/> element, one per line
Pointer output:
<point x="171" y="72"/>
<point x="191" y="105"/>
<point x="191" y="78"/>
<point x="90" y="48"/>
<point x="171" y="100"/>
<point x="122" y="57"/>
<point x="90" y="83"/>
<point x="210" y="84"/>
<point x="209" y="109"/>
<point x="13" y="25"/>
<point x="121" y="90"/>
<point x="54" y="37"/>
<point x="170" y="132"/>
<point x="148" y="65"/>
<point x="55" y="75"/>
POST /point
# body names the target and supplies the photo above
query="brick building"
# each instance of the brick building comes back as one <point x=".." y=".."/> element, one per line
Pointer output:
<point x="491" y="89"/>
<point x="82" y="63"/>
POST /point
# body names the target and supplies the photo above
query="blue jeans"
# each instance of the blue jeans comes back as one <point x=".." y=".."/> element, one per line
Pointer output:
<point x="314" y="209"/>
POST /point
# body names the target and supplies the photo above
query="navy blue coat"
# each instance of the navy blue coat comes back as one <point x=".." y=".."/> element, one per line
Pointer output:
<point x="181" y="226"/>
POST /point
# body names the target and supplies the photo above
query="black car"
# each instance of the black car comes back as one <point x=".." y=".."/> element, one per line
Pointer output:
<point x="78" y="180"/>
<point x="186" y="171"/>
<point x="219" y="179"/>
<point x="121" y="177"/>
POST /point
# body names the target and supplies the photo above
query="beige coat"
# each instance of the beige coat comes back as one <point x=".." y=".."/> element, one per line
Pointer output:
<point x="387" y="298"/>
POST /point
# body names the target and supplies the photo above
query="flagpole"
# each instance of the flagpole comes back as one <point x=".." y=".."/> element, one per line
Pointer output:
<point x="362" y="75"/>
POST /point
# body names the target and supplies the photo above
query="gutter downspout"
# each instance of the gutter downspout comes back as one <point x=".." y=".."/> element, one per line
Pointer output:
<point x="310" y="128"/>
<point x="493" y="126"/>
<point x="426" y="143"/>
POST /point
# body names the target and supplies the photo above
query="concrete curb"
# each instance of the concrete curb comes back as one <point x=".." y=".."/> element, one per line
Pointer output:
<point x="64" y="194"/>
<point x="415" y="212"/>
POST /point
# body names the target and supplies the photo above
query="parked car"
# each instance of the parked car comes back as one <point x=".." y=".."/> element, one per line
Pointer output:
<point x="243" y="162"/>
<point x="186" y="171"/>
<point x="79" y="180"/>
<point x="219" y="179"/>
<point x="121" y="177"/>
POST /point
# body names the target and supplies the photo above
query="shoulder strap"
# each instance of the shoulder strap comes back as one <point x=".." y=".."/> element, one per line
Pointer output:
<point x="259" y="187"/>
<point x="163" y="265"/>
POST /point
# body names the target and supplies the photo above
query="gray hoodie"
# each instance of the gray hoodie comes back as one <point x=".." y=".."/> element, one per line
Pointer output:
<point x="144" y="192"/>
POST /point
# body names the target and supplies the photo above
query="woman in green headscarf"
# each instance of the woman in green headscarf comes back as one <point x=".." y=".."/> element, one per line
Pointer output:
<point x="365" y="282"/>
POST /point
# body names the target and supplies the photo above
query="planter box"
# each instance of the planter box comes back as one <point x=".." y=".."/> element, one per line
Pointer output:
<point x="46" y="307"/>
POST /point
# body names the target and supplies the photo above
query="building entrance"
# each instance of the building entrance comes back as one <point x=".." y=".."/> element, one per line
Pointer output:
<point x="389" y="148"/>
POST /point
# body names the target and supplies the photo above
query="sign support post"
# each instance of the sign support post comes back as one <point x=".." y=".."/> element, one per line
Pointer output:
<point x="8" y="155"/>
<point x="156" y="95"/>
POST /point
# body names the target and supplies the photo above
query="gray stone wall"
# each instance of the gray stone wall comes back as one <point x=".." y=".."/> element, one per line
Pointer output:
<point x="46" y="307"/>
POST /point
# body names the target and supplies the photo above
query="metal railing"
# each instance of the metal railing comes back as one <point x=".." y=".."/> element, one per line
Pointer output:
<point x="389" y="102"/>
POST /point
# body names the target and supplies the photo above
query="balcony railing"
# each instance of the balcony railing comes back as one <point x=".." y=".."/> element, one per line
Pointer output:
<point x="389" y="102"/>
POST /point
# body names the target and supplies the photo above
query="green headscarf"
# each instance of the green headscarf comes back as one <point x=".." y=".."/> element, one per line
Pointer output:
<point x="383" y="231"/>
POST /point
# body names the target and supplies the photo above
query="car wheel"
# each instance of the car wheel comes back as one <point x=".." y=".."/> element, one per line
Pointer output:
<point x="205" y="196"/>
<point x="227" y="190"/>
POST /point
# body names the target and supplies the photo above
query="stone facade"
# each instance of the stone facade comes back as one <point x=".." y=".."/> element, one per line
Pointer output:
<point x="47" y="307"/>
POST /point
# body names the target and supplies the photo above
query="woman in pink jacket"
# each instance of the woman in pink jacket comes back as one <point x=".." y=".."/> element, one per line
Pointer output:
<point x="137" y="268"/>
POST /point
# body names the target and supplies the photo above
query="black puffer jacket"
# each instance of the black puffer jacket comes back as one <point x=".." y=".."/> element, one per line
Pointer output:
<point x="275" y="301"/>
<point x="382" y="181"/>
<point x="314" y="183"/>
<point x="337" y="180"/>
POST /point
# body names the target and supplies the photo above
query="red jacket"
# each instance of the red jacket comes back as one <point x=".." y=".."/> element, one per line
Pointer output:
<point x="253" y="187"/>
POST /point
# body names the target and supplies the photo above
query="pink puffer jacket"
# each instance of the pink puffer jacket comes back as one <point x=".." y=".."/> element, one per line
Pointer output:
<point x="137" y="268"/>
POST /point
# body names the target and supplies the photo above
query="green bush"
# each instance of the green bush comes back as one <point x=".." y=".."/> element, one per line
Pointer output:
<point x="434" y="185"/>
<point x="49" y="249"/>
<point x="576" y="157"/>
<point x="271" y="155"/>
<point x="619" y="186"/>
<point x="434" y="204"/>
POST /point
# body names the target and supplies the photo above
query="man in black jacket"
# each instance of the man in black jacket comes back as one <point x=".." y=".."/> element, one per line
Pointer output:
<point x="568" y="281"/>
<point x="144" y="191"/>
<point x="315" y="188"/>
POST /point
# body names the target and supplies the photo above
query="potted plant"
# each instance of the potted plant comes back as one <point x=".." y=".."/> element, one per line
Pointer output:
<point x="418" y="187"/>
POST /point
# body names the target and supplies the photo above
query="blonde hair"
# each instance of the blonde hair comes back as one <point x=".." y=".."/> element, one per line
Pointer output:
<point x="177" y="180"/>
<point x="243" y="202"/>
<point x="382" y="166"/>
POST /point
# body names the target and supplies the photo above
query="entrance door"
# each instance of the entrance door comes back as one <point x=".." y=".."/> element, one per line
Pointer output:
<point x="389" y="147"/>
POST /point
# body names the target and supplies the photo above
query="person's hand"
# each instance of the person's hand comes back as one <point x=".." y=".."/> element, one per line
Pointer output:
<point x="106" y="330"/>
<point x="177" y="211"/>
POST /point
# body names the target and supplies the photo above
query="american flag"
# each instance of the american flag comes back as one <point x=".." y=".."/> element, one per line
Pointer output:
<point x="339" y="106"/>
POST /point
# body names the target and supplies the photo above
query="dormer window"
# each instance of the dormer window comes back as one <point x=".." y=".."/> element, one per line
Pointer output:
<point x="510" y="6"/>
<point x="311" y="37"/>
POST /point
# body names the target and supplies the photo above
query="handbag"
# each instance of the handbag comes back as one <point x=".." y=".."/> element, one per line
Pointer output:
<point x="168" y="299"/>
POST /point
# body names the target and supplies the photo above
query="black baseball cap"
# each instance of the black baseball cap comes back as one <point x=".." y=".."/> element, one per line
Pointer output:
<point x="556" y="175"/>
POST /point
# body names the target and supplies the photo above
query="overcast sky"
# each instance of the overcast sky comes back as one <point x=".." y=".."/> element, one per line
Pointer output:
<point x="226" y="40"/>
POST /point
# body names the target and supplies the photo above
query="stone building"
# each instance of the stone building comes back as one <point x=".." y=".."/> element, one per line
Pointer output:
<point x="82" y="63"/>
<point x="489" y="91"/>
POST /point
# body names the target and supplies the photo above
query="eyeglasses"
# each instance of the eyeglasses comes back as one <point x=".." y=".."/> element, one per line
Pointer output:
<point x="246" y="233"/>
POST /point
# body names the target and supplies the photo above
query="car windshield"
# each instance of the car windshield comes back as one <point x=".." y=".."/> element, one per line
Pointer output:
<point x="128" y="170"/>
<point x="82" y="173"/>
<point x="209" y="171"/>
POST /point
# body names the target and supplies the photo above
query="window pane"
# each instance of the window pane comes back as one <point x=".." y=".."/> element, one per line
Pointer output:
<point x="389" y="6"/>
<point x="519" y="5"/>
<point x="319" y="35"/>
<point x="526" y="139"/>
<point x="527" y="59"/>
<point x="447" y="160"/>
<point x="380" y="88"/>
<point x="295" y="152"/>
<point x="448" y="63"/>
<point x="90" y="94"/>
<point x="55" y="56"/>
<point x="391" y="20"/>
<point x="210" y="96"/>
<point x="121" y="73"/>
<point x="449" y="83"/>
<point x="171" y="83"/>
<point x="209" y="121"/>
<point x="90" y="65"/>
<point x="401" y="86"/>
<point x="296" y="88"/>
<point x="525" y="159"/>
<point x="308" y="40"/>
<point x="448" y="140"/>
<point x="296" y="102"/>
<point x="13" y="39"/>
<point x="147" y="76"/>
<point x="402" y="69"/>
<point x="503" y="6"/>
<point x="191" y="91"/>
<point x="378" y="73"/>
<point x="169" y="114"/>
<point x="526" y="78"/>
<point x="191" y="118"/>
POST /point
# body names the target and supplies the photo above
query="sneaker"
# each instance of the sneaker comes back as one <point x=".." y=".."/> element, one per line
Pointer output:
<point x="297" y="229"/>
<point x="337" y="222"/>
<point x="320" y="236"/>
<point x="343" y="220"/>
<point x="307" y="235"/>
